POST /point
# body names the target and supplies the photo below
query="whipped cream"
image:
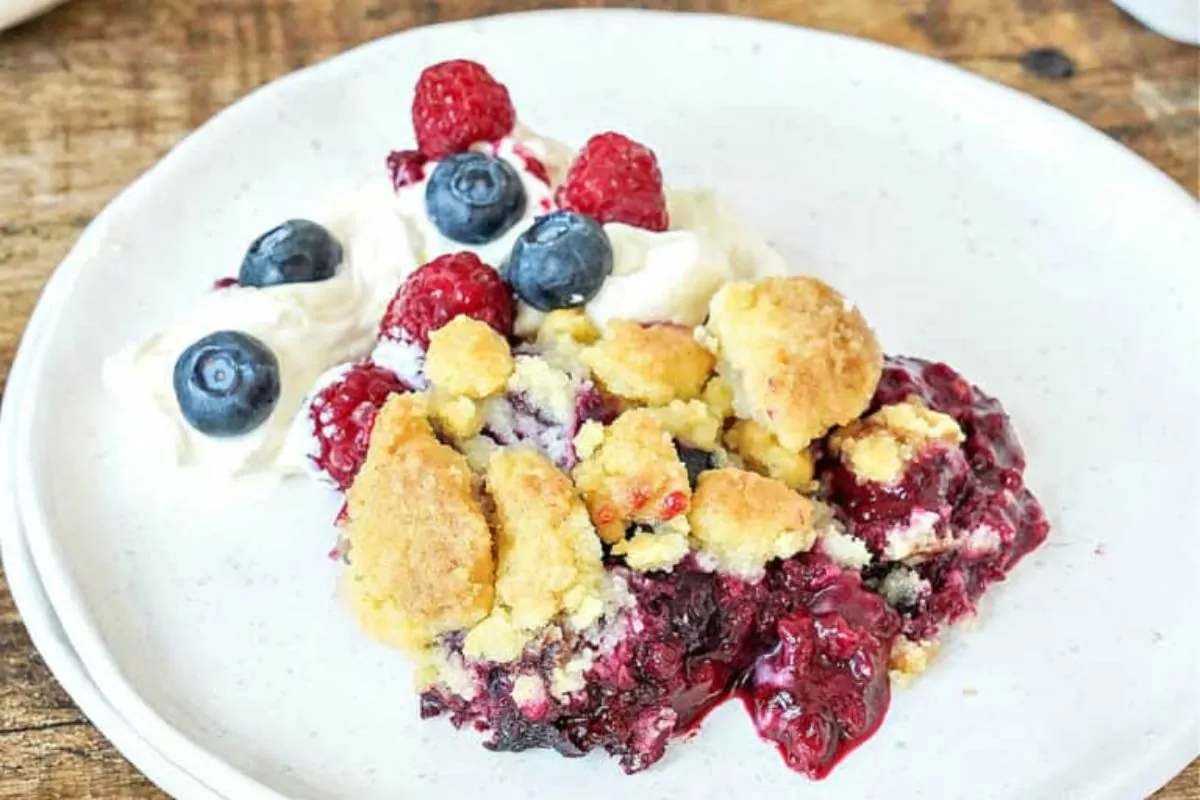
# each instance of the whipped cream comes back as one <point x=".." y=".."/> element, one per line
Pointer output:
<point x="312" y="328"/>
<point x="670" y="276"/>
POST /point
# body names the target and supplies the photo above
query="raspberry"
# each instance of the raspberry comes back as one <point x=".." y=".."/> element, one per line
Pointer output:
<point x="405" y="167"/>
<point x="450" y="285"/>
<point x="343" y="414"/>
<point x="459" y="103"/>
<point x="615" y="179"/>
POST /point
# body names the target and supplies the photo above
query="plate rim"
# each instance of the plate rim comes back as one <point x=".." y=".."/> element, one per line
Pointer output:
<point x="46" y="631"/>
<point x="1155" y="768"/>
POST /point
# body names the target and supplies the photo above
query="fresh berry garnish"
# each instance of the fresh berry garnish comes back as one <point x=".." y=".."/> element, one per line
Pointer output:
<point x="456" y="104"/>
<point x="473" y="198"/>
<point x="695" y="461"/>
<point x="342" y="416"/>
<point x="615" y="179"/>
<point x="298" y="251"/>
<point x="450" y="285"/>
<point x="560" y="262"/>
<point x="405" y="167"/>
<point x="226" y="384"/>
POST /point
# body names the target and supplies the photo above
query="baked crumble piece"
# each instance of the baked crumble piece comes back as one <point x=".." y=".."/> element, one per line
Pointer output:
<point x="634" y="477"/>
<point x="458" y="417"/>
<point x="718" y="396"/>
<point x="879" y="446"/>
<point x="649" y="364"/>
<point x="421" y="549"/>
<point x="469" y="358"/>
<point x="692" y="422"/>
<point x="798" y="355"/>
<point x="566" y="331"/>
<point x="548" y="558"/>
<point x="742" y="521"/>
<point x="761" y="451"/>
<point x="909" y="659"/>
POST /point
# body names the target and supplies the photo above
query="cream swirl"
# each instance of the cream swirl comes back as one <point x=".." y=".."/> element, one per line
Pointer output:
<point x="312" y="328"/>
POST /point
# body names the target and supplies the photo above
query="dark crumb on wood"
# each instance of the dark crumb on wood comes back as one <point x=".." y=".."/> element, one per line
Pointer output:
<point x="1048" y="63"/>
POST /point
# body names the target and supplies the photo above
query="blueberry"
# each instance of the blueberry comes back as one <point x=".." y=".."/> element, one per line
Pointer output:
<point x="226" y="384"/>
<point x="560" y="262"/>
<point x="695" y="461"/>
<point x="298" y="251"/>
<point x="473" y="198"/>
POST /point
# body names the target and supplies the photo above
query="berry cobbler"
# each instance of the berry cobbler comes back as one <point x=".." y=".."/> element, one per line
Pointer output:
<point x="605" y="464"/>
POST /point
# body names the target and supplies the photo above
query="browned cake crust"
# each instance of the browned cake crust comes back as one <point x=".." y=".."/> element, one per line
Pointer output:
<point x="877" y="447"/>
<point x="799" y="356"/>
<point x="548" y="555"/>
<point x="633" y="476"/>
<point x="742" y="520"/>
<point x="649" y="364"/>
<point x="420" y="547"/>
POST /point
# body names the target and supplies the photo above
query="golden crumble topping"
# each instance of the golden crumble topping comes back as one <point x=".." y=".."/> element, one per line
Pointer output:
<point x="589" y="438"/>
<point x="633" y="476"/>
<point x="909" y="659"/>
<point x="421" y="560"/>
<point x="467" y="357"/>
<point x="799" y="357"/>
<point x="567" y="329"/>
<point x="646" y="551"/>
<point x="458" y="417"/>
<point x="718" y="396"/>
<point x="692" y="422"/>
<point x="548" y="559"/>
<point x="762" y="452"/>
<point x="877" y="447"/>
<point x="548" y="388"/>
<point x="650" y="364"/>
<point x="479" y="451"/>
<point x="742" y="520"/>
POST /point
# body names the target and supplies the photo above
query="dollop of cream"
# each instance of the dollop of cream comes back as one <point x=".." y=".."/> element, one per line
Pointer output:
<point x="670" y="276"/>
<point x="312" y="328"/>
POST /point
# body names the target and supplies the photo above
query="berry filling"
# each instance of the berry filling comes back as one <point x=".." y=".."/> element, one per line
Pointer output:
<point x="806" y="648"/>
<point x="823" y="689"/>
<point x="979" y="518"/>
<point x="513" y="418"/>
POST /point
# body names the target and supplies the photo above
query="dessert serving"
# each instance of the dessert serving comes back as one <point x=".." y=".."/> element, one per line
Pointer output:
<point x="605" y="463"/>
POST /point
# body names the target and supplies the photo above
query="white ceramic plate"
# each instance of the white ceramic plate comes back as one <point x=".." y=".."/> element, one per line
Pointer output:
<point x="14" y="11"/>
<point x="971" y="223"/>
<point x="46" y="631"/>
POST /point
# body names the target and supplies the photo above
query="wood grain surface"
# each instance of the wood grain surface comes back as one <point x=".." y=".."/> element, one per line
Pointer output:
<point x="96" y="91"/>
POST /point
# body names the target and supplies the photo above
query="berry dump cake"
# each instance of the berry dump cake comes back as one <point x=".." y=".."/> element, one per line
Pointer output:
<point x="605" y="464"/>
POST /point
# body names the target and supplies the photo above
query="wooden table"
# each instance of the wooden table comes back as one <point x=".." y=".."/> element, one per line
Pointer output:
<point x="95" y="92"/>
